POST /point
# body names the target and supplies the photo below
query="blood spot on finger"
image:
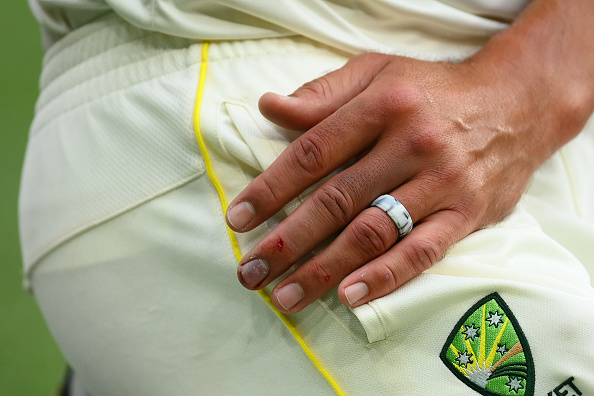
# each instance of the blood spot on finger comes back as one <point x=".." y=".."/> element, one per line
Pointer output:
<point x="280" y="244"/>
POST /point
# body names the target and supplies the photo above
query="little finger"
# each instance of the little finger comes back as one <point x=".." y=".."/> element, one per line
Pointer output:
<point x="418" y="251"/>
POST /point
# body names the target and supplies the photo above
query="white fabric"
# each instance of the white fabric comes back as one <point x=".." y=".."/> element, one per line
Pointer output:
<point x="101" y="180"/>
<point x="424" y="29"/>
<point x="125" y="241"/>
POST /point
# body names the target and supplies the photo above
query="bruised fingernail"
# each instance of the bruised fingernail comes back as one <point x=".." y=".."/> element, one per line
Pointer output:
<point x="253" y="272"/>
<point x="356" y="292"/>
<point x="240" y="215"/>
<point x="290" y="295"/>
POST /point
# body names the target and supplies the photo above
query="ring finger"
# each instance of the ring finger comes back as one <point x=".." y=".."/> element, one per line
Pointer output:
<point x="331" y="207"/>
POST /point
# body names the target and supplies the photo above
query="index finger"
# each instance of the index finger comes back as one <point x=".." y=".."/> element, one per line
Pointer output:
<point x="331" y="104"/>
<point x="308" y="159"/>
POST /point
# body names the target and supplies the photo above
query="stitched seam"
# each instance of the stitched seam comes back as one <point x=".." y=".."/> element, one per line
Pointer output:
<point x="43" y="130"/>
<point x="265" y="53"/>
<point x="95" y="56"/>
<point x="57" y="48"/>
<point x="55" y="243"/>
<point x="118" y="68"/>
<point x="382" y="322"/>
<point x="249" y="114"/>
<point x="341" y="322"/>
<point x="227" y="58"/>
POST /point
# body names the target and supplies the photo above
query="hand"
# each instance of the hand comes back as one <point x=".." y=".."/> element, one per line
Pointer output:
<point x="455" y="143"/>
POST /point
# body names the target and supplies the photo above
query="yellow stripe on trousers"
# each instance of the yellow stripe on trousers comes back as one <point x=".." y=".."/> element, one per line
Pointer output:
<point x="224" y="205"/>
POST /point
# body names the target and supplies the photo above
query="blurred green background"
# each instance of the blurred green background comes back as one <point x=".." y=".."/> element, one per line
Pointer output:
<point x="30" y="363"/>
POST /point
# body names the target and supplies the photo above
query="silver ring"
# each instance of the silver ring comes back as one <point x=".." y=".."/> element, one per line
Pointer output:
<point x="397" y="213"/>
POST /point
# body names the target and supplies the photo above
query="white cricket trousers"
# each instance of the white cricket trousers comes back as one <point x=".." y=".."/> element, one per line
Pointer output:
<point x="138" y="142"/>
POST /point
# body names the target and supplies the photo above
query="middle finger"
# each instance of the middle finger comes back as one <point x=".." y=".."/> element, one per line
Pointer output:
<point x="331" y="207"/>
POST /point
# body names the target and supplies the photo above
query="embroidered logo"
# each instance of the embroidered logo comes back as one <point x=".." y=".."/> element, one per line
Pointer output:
<point x="487" y="350"/>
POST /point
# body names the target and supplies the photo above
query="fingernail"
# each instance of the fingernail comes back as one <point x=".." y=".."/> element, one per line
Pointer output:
<point x="290" y="295"/>
<point x="355" y="292"/>
<point x="283" y="97"/>
<point x="241" y="214"/>
<point x="253" y="272"/>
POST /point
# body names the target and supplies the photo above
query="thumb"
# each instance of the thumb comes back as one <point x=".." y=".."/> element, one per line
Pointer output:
<point x="319" y="98"/>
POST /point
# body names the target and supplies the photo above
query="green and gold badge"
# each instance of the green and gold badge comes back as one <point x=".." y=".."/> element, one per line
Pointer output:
<point x="487" y="350"/>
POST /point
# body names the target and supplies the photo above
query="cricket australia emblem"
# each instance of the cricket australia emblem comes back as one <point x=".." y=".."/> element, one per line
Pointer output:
<point x="488" y="351"/>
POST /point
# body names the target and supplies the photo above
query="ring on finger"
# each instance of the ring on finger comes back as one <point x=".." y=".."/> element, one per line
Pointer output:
<point x="397" y="213"/>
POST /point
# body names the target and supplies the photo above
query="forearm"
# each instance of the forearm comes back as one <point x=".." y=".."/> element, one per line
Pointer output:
<point x="549" y="52"/>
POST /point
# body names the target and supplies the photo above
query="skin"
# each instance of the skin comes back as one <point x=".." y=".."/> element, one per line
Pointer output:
<point x="455" y="143"/>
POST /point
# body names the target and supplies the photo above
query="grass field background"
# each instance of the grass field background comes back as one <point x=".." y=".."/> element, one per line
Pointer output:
<point x="30" y="363"/>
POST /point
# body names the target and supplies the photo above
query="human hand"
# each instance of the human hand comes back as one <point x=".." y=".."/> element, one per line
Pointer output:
<point x="455" y="143"/>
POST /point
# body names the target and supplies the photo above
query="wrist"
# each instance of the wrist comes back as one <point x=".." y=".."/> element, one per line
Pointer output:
<point x="544" y="68"/>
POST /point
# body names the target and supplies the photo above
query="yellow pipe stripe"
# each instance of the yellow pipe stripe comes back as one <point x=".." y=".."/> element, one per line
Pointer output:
<point x="202" y="145"/>
<point x="495" y="344"/>
<point x="217" y="185"/>
<point x="481" y="356"/>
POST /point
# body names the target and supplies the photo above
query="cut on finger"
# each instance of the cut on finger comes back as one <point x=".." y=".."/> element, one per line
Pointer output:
<point x="330" y="208"/>
<point x="366" y="237"/>
<point x="369" y="235"/>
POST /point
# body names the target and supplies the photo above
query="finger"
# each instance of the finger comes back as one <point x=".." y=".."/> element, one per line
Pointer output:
<point x="327" y="210"/>
<point x="415" y="253"/>
<point x="348" y="132"/>
<point x="368" y="236"/>
<point x="317" y="99"/>
<point x="308" y="159"/>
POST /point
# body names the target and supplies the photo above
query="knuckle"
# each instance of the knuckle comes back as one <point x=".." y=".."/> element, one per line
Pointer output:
<point x="269" y="191"/>
<point x="404" y="98"/>
<point x="373" y="236"/>
<point x="335" y="202"/>
<point x="449" y="175"/>
<point x="454" y="173"/>
<point x="388" y="277"/>
<point x="368" y="240"/>
<point x="462" y="193"/>
<point x="426" y="139"/>
<point x="309" y="155"/>
<point x="468" y="210"/>
<point x="321" y="86"/>
<point x="423" y="254"/>
<point x="317" y="272"/>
